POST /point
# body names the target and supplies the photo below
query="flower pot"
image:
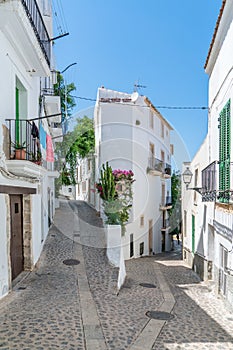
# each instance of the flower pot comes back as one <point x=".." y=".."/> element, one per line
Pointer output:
<point x="20" y="153"/>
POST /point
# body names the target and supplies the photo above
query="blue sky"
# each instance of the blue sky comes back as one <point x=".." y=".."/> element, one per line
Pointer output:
<point x="162" y="44"/>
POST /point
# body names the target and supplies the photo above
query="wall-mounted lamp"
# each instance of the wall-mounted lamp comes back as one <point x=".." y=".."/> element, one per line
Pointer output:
<point x="187" y="178"/>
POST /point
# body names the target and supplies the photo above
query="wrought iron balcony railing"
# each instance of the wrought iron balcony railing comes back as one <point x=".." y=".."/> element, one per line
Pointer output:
<point x="166" y="201"/>
<point x="35" y="17"/>
<point x="158" y="165"/>
<point x="212" y="190"/>
<point x="24" y="137"/>
<point x="165" y="224"/>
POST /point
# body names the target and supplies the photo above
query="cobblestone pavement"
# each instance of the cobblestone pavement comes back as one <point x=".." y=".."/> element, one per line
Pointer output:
<point x="45" y="315"/>
<point x="201" y="321"/>
<point x="51" y="309"/>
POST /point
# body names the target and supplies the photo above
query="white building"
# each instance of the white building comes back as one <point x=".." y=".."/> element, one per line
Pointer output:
<point x="131" y="134"/>
<point x="209" y="225"/>
<point x="26" y="184"/>
<point x="85" y="187"/>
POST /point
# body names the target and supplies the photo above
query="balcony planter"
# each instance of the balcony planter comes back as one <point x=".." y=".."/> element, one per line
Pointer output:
<point x="20" y="150"/>
<point x="20" y="153"/>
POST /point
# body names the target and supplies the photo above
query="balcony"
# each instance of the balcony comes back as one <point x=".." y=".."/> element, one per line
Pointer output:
<point x="166" y="203"/>
<point x="23" y="140"/>
<point x="165" y="224"/>
<point x="56" y="132"/>
<point x="212" y="190"/>
<point x="22" y="149"/>
<point x="159" y="168"/>
<point x="22" y="24"/>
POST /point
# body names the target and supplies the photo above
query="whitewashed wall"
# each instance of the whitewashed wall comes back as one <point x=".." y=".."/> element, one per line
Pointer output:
<point x="4" y="247"/>
<point x="123" y="136"/>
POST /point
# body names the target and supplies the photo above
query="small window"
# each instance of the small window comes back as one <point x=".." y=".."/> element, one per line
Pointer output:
<point x="151" y="120"/>
<point x="70" y="189"/>
<point x="162" y="129"/>
<point x="89" y="164"/>
<point x="172" y="149"/>
<point x="142" y="220"/>
<point x="84" y="186"/>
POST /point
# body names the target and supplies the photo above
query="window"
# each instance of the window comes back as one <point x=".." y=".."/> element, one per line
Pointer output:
<point x="151" y="120"/>
<point x="162" y="129"/>
<point x="162" y="156"/>
<point x="84" y="186"/>
<point x="142" y="220"/>
<point x="171" y="149"/>
<point x="163" y="194"/>
<point x="224" y="153"/>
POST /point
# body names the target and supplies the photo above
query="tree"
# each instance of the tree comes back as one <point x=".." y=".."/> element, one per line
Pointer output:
<point x="175" y="212"/>
<point x="64" y="91"/>
<point x="80" y="142"/>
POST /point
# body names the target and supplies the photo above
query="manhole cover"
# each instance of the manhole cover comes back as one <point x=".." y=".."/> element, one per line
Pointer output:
<point x="71" y="262"/>
<point x="147" y="285"/>
<point x="159" y="315"/>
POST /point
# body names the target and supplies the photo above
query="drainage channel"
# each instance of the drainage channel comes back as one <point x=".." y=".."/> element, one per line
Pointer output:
<point x="71" y="262"/>
<point x="159" y="315"/>
<point x="147" y="285"/>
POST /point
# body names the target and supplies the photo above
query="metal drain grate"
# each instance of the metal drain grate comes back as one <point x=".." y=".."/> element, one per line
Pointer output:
<point x="159" y="315"/>
<point x="21" y="288"/>
<point x="71" y="262"/>
<point x="147" y="285"/>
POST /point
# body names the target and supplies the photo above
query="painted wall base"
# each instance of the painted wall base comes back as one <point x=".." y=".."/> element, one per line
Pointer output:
<point x="115" y="251"/>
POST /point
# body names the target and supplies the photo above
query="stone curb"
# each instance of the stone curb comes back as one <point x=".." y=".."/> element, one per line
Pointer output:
<point x="153" y="328"/>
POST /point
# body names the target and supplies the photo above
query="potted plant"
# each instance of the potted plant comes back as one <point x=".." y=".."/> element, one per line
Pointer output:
<point x="20" y="149"/>
<point x="37" y="157"/>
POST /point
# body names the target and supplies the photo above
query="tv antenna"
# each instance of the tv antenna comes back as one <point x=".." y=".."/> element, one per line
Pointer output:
<point x="138" y="86"/>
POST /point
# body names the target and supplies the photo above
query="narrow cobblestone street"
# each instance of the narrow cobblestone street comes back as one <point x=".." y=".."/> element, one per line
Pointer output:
<point x="74" y="307"/>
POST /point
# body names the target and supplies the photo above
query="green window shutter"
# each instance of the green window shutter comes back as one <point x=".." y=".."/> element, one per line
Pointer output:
<point x="193" y="233"/>
<point x="17" y="115"/>
<point x="224" y="152"/>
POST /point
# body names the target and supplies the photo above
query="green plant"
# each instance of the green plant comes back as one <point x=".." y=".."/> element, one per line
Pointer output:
<point x="114" y="187"/>
<point x="18" y="145"/>
<point x="108" y="192"/>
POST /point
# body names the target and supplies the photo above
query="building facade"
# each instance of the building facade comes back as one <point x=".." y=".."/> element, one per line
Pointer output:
<point x="210" y="224"/>
<point x="131" y="134"/>
<point x="26" y="135"/>
<point x="85" y="187"/>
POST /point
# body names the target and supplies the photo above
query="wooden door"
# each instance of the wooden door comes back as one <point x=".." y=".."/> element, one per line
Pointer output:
<point x="223" y="269"/>
<point x="16" y="246"/>
<point x="150" y="236"/>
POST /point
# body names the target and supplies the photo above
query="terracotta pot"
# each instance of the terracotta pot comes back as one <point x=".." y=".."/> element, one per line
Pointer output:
<point x="20" y="153"/>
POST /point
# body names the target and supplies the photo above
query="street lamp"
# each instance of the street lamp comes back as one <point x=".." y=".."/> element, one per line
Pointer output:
<point x="70" y="65"/>
<point x="187" y="178"/>
<point x="61" y="72"/>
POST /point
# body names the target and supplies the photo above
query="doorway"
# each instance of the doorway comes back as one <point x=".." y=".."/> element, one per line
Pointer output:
<point x="150" y="236"/>
<point x="16" y="244"/>
<point x="223" y="270"/>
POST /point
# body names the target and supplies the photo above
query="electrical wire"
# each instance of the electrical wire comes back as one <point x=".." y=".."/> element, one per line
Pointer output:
<point x="143" y="106"/>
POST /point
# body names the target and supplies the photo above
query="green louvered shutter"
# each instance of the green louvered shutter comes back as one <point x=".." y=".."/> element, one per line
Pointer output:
<point x="224" y="152"/>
